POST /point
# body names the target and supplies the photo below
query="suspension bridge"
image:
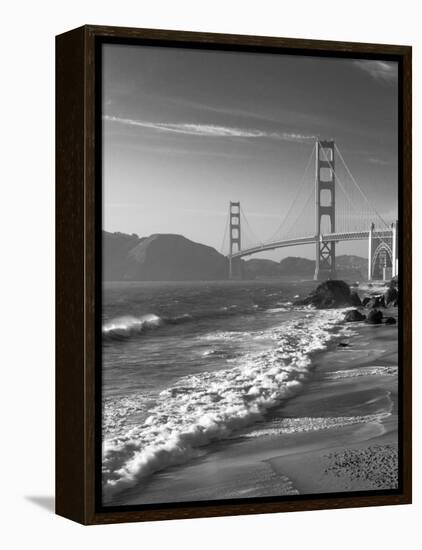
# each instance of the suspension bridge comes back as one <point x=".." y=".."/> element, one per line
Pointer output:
<point x="338" y="210"/>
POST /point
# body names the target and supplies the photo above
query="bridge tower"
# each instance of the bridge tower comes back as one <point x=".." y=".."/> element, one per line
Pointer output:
<point x="325" y="200"/>
<point x="235" y="265"/>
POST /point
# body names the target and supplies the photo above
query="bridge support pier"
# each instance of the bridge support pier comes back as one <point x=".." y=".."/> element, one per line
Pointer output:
<point x="325" y="260"/>
<point x="235" y="264"/>
<point x="382" y="254"/>
<point x="370" y="252"/>
<point x="395" y="248"/>
<point x="235" y="269"/>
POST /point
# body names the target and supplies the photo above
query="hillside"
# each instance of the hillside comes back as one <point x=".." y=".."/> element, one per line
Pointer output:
<point x="256" y="268"/>
<point x="348" y="267"/>
<point x="350" y="263"/>
<point x="160" y="257"/>
<point x="116" y="260"/>
<point x="297" y="266"/>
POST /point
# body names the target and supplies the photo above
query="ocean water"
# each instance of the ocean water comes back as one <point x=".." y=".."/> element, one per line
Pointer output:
<point x="189" y="364"/>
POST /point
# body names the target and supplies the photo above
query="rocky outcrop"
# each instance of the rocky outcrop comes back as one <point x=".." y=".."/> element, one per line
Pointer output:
<point x="390" y="321"/>
<point x="354" y="316"/>
<point x="391" y="296"/>
<point x="374" y="317"/>
<point x="375" y="301"/>
<point x="330" y="294"/>
<point x="355" y="299"/>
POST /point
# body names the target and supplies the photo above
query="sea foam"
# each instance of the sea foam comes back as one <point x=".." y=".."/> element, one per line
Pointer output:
<point x="128" y="326"/>
<point x="310" y="424"/>
<point x="213" y="405"/>
<point x="372" y="370"/>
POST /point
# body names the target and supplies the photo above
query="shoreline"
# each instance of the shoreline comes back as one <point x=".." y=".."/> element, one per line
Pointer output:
<point x="349" y="409"/>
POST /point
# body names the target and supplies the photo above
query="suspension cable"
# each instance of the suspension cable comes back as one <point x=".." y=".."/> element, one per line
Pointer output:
<point x="252" y="233"/>
<point x="225" y="234"/>
<point x="305" y="206"/>
<point x="299" y="190"/>
<point x="339" y="181"/>
<point x="358" y="186"/>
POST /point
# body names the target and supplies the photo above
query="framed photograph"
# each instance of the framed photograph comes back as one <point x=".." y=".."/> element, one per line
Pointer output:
<point x="233" y="274"/>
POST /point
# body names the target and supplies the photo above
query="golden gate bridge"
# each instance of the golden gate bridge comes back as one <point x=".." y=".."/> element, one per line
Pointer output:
<point x="338" y="209"/>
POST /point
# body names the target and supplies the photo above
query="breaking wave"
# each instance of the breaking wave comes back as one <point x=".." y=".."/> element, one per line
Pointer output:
<point x="213" y="405"/>
<point x="122" y="328"/>
<point x="129" y="326"/>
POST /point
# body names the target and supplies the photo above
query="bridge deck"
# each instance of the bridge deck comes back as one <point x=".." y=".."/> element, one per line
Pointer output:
<point x="337" y="237"/>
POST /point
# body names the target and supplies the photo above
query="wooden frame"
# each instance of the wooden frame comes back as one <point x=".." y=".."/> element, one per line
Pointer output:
<point x="77" y="154"/>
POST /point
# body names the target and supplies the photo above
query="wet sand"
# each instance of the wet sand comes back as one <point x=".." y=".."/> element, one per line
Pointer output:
<point x="340" y="434"/>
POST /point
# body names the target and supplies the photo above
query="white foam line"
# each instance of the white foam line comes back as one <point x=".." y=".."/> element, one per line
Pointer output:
<point x="210" y="406"/>
<point x="308" y="424"/>
<point x="363" y="371"/>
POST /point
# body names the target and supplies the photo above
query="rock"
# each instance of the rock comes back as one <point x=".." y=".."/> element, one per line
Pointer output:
<point x="353" y="316"/>
<point x="375" y="301"/>
<point x="355" y="299"/>
<point x="391" y="296"/>
<point x="390" y="321"/>
<point x="374" y="317"/>
<point x="330" y="294"/>
<point x="343" y="345"/>
<point x="365" y="301"/>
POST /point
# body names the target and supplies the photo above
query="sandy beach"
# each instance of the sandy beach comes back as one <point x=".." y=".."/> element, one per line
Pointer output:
<point x="339" y="434"/>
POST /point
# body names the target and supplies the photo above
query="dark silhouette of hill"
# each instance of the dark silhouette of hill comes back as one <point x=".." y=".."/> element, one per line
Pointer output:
<point x="260" y="267"/>
<point x="116" y="259"/>
<point x="349" y="262"/>
<point x="160" y="257"/>
<point x="293" y="265"/>
<point x="169" y="257"/>
<point x="347" y="267"/>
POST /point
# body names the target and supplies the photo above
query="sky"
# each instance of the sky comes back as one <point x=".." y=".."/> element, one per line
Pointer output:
<point x="185" y="131"/>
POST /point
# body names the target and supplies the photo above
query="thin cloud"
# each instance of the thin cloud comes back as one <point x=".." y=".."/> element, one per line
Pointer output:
<point x="208" y="130"/>
<point x="379" y="70"/>
<point x="244" y="113"/>
<point x="379" y="162"/>
<point x="179" y="149"/>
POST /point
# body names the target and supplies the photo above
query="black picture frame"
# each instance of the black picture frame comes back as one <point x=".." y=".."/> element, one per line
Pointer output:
<point x="78" y="272"/>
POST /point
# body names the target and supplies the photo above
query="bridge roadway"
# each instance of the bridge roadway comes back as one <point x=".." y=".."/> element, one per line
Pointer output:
<point x="336" y="237"/>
